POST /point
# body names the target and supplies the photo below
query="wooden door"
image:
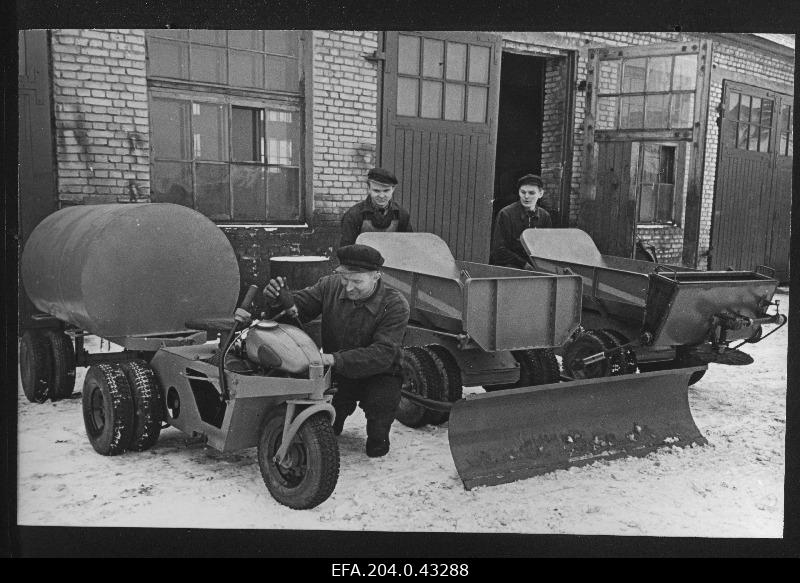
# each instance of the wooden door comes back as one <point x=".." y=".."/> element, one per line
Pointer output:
<point x="438" y="129"/>
<point x="610" y="219"/>
<point x="752" y="195"/>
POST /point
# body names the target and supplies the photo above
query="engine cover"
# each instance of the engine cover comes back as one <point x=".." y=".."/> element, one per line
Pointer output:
<point x="281" y="346"/>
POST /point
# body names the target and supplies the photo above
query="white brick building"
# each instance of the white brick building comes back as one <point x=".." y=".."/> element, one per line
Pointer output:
<point x="271" y="134"/>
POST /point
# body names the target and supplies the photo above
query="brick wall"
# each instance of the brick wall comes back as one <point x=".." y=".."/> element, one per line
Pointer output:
<point x="345" y="120"/>
<point x="101" y="122"/>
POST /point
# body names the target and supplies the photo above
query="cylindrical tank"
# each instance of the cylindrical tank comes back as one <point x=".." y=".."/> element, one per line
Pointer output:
<point x="299" y="270"/>
<point x="130" y="269"/>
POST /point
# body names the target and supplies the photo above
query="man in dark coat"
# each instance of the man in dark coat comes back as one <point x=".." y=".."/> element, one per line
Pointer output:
<point x="506" y="249"/>
<point x="363" y="323"/>
<point x="377" y="212"/>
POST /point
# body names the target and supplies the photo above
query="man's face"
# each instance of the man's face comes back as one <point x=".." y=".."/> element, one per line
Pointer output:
<point x="529" y="195"/>
<point x="359" y="285"/>
<point x="381" y="194"/>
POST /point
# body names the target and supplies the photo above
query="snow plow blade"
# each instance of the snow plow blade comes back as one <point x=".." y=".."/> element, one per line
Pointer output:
<point x="509" y="435"/>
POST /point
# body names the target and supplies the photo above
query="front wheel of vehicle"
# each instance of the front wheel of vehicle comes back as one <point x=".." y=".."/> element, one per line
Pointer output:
<point x="309" y="472"/>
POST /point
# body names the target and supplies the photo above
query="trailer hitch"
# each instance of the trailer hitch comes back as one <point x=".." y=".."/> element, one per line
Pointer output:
<point x="724" y="321"/>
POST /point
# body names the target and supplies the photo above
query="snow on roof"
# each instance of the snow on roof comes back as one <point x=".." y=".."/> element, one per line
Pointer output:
<point x="786" y="40"/>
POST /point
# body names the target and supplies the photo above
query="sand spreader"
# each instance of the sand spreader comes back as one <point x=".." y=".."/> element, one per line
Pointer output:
<point x="651" y="316"/>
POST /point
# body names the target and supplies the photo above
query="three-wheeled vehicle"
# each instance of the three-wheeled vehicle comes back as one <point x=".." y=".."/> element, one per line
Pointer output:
<point x="161" y="281"/>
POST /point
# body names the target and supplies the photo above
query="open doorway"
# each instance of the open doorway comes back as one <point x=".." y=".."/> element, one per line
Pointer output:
<point x="519" y="126"/>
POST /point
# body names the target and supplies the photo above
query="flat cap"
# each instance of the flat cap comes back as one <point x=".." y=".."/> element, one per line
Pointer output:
<point x="530" y="179"/>
<point x="358" y="258"/>
<point x="382" y="175"/>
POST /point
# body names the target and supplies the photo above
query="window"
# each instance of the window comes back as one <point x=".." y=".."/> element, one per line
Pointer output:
<point x="440" y="79"/>
<point x="751" y="118"/>
<point x="226" y="122"/>
<point x="656" y="182"/>
<point x="228" y="161"/>
<point x="646" y="93"/>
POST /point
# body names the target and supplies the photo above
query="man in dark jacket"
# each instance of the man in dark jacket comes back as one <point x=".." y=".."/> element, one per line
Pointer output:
<point x="363" y="323"/>
<point x="377" y="212"/>
<point x="524" y="214"/>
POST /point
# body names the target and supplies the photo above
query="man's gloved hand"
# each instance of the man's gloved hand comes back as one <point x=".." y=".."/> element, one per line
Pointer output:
<point x="273" y="290"/>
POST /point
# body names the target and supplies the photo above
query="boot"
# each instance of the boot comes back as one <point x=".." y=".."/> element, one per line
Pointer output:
<point x="377" y="447"/>
<point x="378" y="436"/>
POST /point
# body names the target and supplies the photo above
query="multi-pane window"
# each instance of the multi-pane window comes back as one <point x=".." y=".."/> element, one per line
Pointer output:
<point x="226" y="122"/>
<point x="257" y="59"/>
<point x="228" y="161"/>
<point x="751" y="118"/>
<point x="440" y="79"/>
<point x="646" y="93"/>
<point x="656" y="183"/>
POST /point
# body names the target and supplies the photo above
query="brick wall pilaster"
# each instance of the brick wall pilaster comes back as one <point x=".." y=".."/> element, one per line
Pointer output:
<point x="101" y="115"/>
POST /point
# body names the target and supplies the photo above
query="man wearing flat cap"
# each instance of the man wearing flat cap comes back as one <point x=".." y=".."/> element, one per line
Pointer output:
<point x="377" y="212"/>
<point x="506" y="249"/>
<point x="363" y="323"/>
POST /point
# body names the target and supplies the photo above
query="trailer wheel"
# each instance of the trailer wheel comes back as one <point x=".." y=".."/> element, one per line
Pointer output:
<point x="624" y="360"/>
<point x="536" y="367"/>
<point x="587" y="343"/>
<point x="311" y="467"/>
<point x="420" y="376"/>
<point x="36" y="366"/>
<point x="147" y="404"/>
<point x="107" y="409"/>
<point x="450" y="373"/>
<point x="63" y="354"/>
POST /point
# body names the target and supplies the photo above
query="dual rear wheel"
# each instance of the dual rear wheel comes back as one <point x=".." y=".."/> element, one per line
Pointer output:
<point x="122" y="407"/>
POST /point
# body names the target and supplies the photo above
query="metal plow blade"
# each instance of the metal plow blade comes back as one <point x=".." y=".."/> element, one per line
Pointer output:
<point x="514" y="434"/>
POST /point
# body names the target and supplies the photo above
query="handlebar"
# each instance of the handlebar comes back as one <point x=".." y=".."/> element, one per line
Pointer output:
<point x="249" y="297"/>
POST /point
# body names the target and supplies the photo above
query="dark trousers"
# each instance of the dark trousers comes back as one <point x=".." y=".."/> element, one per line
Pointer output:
<point x="377" y="395"/>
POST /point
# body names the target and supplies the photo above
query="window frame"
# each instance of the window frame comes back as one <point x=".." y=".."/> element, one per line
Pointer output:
<point x="678" y="173"/>
<point x="300" y="102"/>
<point x="443" y="80"/>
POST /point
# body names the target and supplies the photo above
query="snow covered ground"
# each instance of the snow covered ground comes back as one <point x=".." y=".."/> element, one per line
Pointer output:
<point x="731" y="488"/>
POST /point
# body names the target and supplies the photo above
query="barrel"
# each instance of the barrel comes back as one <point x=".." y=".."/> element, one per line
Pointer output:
<point x="299" y="270"/>
<point x="119" y="270"/>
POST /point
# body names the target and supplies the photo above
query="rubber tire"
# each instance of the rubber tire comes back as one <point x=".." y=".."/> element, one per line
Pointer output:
<point x="63" y="354"/>
<point x="419" y="370"/>
<point x="148" y="404"/>
<point x="107" y="409"/>
<point x="36" y="366"/>
<point x="319" y="449"/>
<point x="450" y="372"/>
<point x="587" y="343"/>
<point x="624" y="362"/>
<point x="536" y="367"/>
